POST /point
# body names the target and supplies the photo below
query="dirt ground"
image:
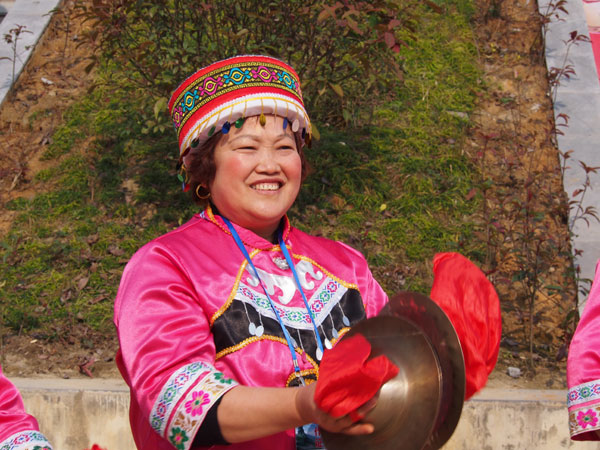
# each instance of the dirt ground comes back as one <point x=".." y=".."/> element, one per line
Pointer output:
<point x="55" y="76"/>
<point x="513" y="122"/>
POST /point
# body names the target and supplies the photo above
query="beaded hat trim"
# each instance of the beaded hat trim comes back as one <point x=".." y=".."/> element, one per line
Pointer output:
<point x="226" y="92"/>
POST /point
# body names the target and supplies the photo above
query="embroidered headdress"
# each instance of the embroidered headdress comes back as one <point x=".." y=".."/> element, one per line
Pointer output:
<point x="223" y="94"/>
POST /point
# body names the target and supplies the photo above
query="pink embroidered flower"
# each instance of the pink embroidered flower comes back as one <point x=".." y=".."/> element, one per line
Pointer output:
<point x="587" y="418"/>
<point x="573" y="395"/>
<point x="194" y="406"/>
<point x="181" y="379"/>
<point x="280" y="311"/>
<point x="317" y="306"/>
<point x="22" y="438"/>
<point x="161" y="409"/>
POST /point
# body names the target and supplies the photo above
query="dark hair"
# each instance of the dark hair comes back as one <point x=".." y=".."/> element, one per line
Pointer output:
<point x="202" y="168"/>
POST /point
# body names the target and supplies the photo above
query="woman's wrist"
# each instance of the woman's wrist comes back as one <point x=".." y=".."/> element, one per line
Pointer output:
<point x="247" y="413"/>
<point x="305" y="404"/>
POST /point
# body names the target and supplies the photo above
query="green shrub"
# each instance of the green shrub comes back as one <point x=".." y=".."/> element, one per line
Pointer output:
<point x="344" y="52"/>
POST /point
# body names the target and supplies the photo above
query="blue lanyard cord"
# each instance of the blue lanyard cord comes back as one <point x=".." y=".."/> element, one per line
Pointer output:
<point x="288" y="338"/>
<point x="288" y="258"/>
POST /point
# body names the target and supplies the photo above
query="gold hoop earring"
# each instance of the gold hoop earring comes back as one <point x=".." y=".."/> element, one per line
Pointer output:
<point x="201" y="197"/>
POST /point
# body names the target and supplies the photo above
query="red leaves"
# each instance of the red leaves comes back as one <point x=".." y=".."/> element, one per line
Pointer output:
<point x="471" y="194"/>
<point x="84" y="368"/>
<point x="589" y="169"/>
<point x="575" y="37"/>
<point x="389" y="39"/>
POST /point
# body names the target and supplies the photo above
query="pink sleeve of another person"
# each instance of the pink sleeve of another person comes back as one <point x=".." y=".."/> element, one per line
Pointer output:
<point x="18" y="430"/>
<point x="583" y="370"/>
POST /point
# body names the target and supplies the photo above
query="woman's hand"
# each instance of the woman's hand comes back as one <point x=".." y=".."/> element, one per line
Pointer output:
<point x="310" y="413"/>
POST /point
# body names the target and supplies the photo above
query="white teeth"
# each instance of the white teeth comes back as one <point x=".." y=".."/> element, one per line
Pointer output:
<point x="266" y="186"/>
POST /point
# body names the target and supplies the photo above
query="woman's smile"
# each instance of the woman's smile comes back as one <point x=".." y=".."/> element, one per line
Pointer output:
<point x="266" y="186"/>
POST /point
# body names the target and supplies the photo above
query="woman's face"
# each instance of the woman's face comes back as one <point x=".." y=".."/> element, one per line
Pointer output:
<point x="258" y="175"/>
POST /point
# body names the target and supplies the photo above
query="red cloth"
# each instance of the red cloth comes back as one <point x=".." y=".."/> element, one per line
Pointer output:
<point x="348" y="379"/>
<point x="473" y="307"/>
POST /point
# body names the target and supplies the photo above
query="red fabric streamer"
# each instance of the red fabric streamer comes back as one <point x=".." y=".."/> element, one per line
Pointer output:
<point x="348" y="379"/>
<point x="471" y="303"/>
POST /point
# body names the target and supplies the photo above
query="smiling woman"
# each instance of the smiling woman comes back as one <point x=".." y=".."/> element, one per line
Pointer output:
<point x="223" y="322"/>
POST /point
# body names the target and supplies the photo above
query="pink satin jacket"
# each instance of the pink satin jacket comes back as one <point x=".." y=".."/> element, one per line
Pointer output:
<point x="583" y="370"/>
<point x="193" y="321"/>
<point x="18" y="430"/>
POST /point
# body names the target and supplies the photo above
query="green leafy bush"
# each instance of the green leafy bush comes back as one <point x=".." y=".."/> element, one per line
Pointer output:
<point x="344" y="52"/>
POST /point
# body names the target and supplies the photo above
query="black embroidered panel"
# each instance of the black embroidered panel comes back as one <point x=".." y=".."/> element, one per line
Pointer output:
<point x="233" y="326"/>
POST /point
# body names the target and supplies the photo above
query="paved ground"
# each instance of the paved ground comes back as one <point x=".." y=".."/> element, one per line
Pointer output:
<point x="34" y="15"/>
<point x="579" y="98"/>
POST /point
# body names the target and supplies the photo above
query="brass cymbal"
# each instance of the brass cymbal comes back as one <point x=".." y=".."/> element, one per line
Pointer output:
<point x="431" y="319"/>
<point x="408" y="406"/>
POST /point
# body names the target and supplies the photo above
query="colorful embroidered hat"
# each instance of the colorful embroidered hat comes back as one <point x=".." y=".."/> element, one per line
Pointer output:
<point x="226" y="92"/>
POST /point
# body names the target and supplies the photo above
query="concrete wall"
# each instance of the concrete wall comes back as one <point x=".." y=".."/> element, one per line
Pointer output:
<point x="74" y="414"/>
<point x="511" y="419"/>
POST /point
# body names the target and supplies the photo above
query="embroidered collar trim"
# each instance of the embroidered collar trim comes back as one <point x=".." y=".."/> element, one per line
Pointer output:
<point x="248" y="237"/>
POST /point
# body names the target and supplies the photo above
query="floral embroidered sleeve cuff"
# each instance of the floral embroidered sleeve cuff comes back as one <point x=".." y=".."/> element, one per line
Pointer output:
<point x="26" y="440"/>
<point x="184" y="402"/>
<point x="584" y="410"/>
